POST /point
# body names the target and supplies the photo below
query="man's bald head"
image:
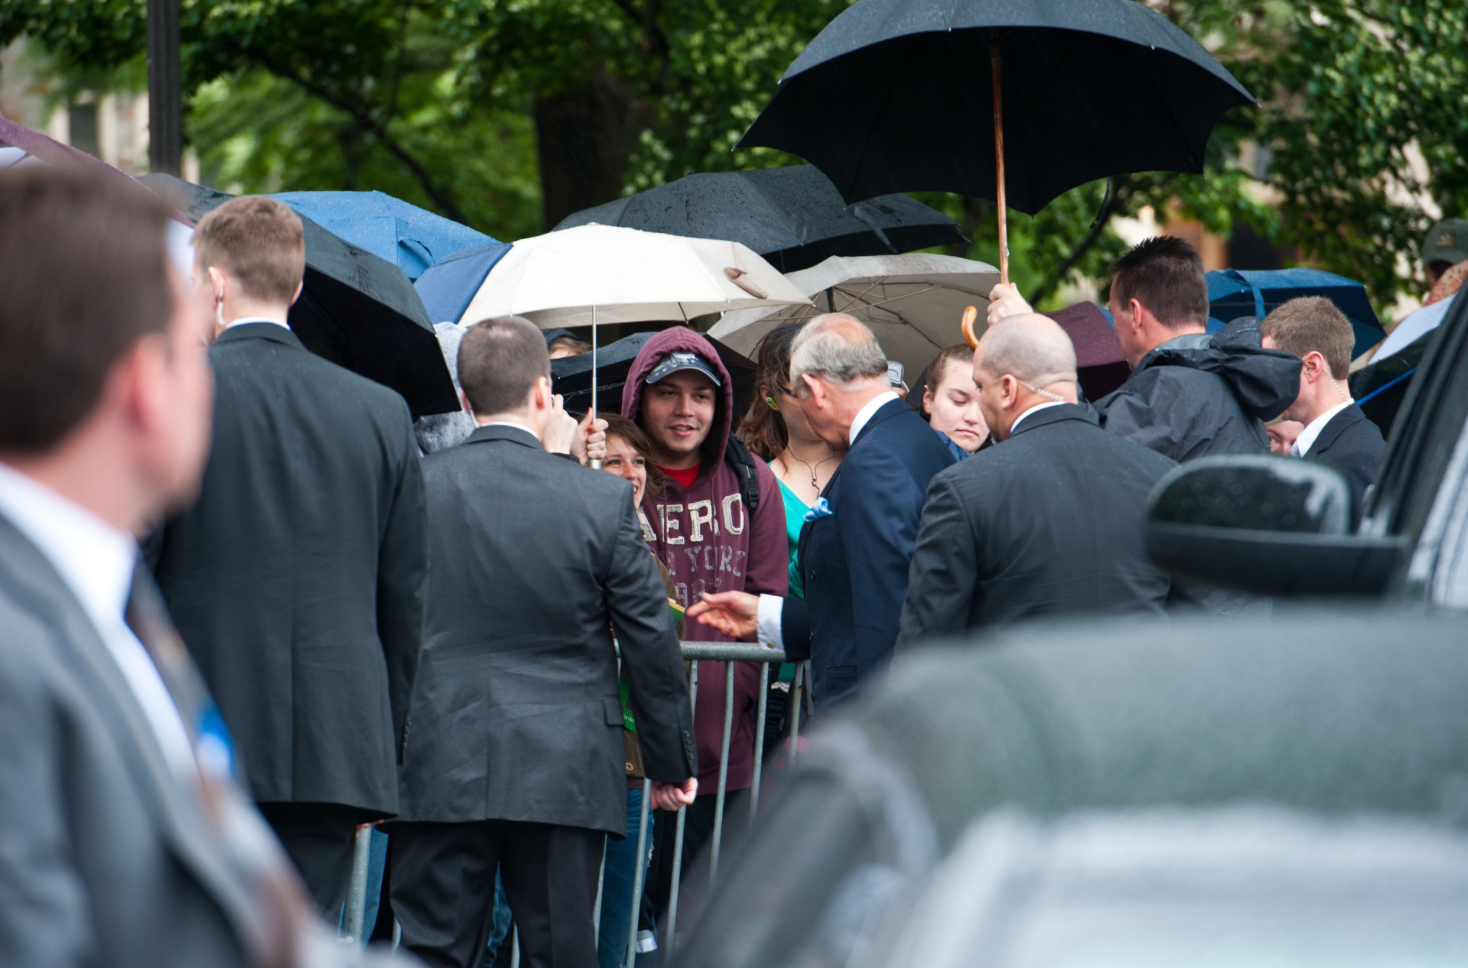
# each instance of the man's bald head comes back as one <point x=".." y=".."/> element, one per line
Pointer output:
<point x="1020" y="363"/>
<point x="1031" y="347"/>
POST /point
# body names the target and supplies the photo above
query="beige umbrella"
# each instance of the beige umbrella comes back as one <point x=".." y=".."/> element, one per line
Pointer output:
<point x="596" y="274"/>
<point x="911" y="302"/>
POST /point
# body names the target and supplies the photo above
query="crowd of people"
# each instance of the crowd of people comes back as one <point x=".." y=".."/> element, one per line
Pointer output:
<point x="479" y="648"/>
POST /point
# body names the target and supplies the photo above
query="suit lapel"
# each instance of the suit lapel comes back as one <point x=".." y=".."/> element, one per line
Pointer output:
<point x="82" y="649"/>
<point x="1334" y="427"/>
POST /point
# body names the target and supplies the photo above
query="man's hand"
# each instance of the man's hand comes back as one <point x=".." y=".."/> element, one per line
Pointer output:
<point x="674" y="796"/>
<point x="591" y="440"/>
<point x="736" y="614"/>
<point x="560" y="428"/>
<point x="1005" y="300"/>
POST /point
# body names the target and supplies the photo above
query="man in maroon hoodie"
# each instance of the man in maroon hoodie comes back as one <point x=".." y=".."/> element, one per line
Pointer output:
<point x="711" y="540"/>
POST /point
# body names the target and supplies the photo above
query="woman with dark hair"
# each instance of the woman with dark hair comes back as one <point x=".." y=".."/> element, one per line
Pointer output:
<point x="776" y="430"/>
<point x="629" y="456"/>
<point x="951" y="401"/>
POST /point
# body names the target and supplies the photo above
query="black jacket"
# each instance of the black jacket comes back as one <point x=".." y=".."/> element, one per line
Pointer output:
<point x="854" y="561"/>
<point x="516" y="714"/>
<point x="1197" y="395"/>
<point x="1353" y="445"/>
<point x="1047" y="522"/>
<point x="296" y="579"/>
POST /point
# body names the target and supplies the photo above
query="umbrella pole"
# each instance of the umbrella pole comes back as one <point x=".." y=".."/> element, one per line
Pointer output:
<point x="995" y="58"/>
<point x="595" y="464"/>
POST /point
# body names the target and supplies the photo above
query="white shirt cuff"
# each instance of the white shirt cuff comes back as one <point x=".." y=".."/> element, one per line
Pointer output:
<point x="770" y="607"/>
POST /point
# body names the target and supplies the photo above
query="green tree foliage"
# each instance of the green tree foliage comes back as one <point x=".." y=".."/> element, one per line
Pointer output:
<point x="509" y="114"/>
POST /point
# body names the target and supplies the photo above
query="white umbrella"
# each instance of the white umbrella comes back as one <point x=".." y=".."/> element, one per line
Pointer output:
<point x="606" y="274"/>
<point x="913" y="303"/>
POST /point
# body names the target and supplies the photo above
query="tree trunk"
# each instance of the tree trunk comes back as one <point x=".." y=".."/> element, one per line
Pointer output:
<point x="585" y="138"/>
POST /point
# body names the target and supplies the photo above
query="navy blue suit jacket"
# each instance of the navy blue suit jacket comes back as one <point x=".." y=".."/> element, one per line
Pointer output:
<point x="854" y="561"/>
<point x="1353" y="445"/>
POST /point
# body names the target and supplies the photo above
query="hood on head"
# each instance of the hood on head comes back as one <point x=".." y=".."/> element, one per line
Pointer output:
<point x="681" y="339"/>
<point x="1266" y="382"/>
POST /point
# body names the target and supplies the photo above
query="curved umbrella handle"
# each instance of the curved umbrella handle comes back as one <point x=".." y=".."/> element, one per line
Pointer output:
<point x="970" y="316"/>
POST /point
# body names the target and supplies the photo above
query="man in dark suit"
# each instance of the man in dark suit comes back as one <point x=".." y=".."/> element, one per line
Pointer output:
<point x="515" y="757"/>
<point x="1047" y="522"/>
<point x="1335" y="432"/>
<point x="123" y="840"/>
<point x="857" y="543"/>
<point x="297" y="577"/>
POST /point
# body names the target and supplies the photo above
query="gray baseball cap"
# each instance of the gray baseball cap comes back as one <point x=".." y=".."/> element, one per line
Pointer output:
<point x="1447" y="241"/>
<point x="674" y="362"/>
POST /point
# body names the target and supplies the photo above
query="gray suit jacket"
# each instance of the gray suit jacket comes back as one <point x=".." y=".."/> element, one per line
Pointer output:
<point x="104" y="858"/>
<point x="296" y="579"/>
<point x="515" y="715"/>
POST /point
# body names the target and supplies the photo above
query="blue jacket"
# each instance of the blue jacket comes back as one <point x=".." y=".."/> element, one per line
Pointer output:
<point x="854" y="560"/>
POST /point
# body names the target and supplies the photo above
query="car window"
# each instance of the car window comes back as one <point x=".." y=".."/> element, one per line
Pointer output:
<point x="1440" y="564"/>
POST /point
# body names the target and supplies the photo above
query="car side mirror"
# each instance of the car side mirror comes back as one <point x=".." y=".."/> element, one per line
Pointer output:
<point x="1267" y="525"/>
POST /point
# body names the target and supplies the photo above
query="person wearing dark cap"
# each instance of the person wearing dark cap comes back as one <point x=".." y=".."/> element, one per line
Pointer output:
<point x="720" y="526"/>
<point x="1445" y="245"/>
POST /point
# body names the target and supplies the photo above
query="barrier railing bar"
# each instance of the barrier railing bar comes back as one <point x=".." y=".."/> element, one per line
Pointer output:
<point x="601" y="878"/>
<point x="356" y="913"/>
<point x="640" y="876"/>
<point x="723" y="768"/>
<point x="682" y="819"/>
<point x="759" y="737"/>
<point x="731" y="651"/>
<point x="795" y="716"/>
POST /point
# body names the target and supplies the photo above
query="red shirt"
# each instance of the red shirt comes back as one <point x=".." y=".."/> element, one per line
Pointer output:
<point x="685" y="477"/>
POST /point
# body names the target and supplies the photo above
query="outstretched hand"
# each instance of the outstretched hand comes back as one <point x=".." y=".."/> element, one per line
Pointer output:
<point x="674" y="796"/>
<point x="1004" y="301"/>
<point x="591" y="439"/>
<point x="560" y="431"/>
<point x="735" y="614"/>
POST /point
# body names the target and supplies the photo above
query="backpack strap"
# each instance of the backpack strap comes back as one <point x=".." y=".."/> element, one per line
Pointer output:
<point x="737" y="456"/>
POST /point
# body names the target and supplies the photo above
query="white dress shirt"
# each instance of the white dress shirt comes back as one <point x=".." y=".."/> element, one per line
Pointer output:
<point x="1035" y="409"/>
<point x="256" y="319"/>
<point x="769" y="633"/>
<point x="1306" y="440"/>
<point x="96" y="562"/>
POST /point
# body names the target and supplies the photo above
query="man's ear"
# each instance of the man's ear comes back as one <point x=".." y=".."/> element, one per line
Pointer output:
<point x="1135" y="309"/>
<point x="464" y="402"/>
<point x="300" y="287"/>
<point x="217" y="283"/>
<point x="1009" y="395"/>
<point x="814" y="389"/>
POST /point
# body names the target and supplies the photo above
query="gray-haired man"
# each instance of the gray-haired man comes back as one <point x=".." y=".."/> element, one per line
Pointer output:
<point x="857" y="542"/>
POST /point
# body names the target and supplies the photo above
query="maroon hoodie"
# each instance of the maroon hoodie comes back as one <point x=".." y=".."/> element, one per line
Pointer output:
<point x="711" y="542"/>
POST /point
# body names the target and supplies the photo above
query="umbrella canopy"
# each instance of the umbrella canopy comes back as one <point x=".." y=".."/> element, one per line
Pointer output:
<point x="1101" y="365"/>
<point x="1233" y="293"/>
<point x="911" y="302"/>
<point x="447" y="286"/>
<point x="357" y="310"/>
<point x="388" y="227"/>
<point x="890" y="97"/>
<point x="793" y="217"/>
<point x="571" y="376"/>
<point x="604" y="274"/>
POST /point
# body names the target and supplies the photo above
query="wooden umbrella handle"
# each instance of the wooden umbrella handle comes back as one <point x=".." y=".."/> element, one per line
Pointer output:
<point x="970" y="316"/>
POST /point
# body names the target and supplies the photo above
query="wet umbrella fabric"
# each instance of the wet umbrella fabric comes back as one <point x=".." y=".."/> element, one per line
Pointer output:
<point x="912" y="302"/>
<point x="388" y="227"/>
<point x="356" y="309"/>
<point x="1101" y="365"/>
<point x="1233" y="293"/>
<point x="793" y="217"/>
<point x="895" y="95"/>
<point x="448" y="285"/>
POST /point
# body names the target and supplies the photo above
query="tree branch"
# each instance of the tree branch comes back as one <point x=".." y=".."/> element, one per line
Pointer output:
<point x="362" y="115"/>
<point x="1086" y="244"/>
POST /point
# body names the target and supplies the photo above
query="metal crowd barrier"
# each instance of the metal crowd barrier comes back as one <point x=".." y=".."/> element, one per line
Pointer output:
<point x="693" y="653"/>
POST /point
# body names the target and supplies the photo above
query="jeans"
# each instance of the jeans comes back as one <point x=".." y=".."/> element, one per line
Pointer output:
<point x="619" y="871"/>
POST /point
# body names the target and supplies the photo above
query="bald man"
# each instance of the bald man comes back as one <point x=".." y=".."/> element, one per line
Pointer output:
<point x="1049" y="521"/>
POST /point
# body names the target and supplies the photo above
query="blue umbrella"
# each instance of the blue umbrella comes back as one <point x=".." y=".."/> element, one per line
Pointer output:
<point x="1233" y="293"/>
<point x="448" y="285"/>
<point x="385" y="226"/>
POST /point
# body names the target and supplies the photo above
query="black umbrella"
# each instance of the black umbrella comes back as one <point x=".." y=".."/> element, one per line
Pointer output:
<point x="357" y="310"/>
<point x="793" y="217"/>
<point x="571" y="375"/>
<point x="891" y="97"/>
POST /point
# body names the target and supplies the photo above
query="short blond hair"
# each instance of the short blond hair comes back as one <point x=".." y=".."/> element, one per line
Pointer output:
<point x="257" y="241"/>
<point x="1313" y="324"/>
